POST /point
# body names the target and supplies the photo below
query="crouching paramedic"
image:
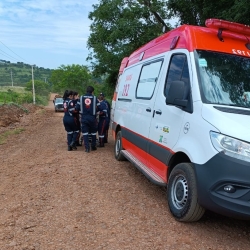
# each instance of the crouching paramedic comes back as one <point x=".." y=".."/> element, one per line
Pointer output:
<point x="87" y="108"/>
<point x="69" y="122"/>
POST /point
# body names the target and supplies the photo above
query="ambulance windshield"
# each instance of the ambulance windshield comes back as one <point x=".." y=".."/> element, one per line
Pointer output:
<point x="224" y="78"/>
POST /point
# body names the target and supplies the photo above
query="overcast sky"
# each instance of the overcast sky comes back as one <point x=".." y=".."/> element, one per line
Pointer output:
<point x="47" y="33"/>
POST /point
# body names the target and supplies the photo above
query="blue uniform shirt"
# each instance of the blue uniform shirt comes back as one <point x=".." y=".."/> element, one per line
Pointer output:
<point x="87" y="105"/>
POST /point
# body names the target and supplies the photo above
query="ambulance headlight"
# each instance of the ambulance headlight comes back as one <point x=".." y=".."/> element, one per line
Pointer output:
<point x="231" y="146"/>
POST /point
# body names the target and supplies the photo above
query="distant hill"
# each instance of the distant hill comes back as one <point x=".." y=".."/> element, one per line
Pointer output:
<point x="18" y="74"/>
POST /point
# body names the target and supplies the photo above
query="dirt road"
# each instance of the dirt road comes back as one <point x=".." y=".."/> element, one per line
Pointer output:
<point x="51" y="198"/>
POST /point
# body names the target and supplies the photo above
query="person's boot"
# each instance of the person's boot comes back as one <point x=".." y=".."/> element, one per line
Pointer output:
<point x="69" y="148"/>
<point x="87" y="150"/>
<point x="73" y="145"/>
<point x="93" y="148"/>
<point x="77" y="143"/>
<point x="101" y="142"/>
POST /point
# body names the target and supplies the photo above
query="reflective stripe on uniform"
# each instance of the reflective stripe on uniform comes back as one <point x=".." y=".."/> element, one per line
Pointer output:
<point x="94" y="105"/>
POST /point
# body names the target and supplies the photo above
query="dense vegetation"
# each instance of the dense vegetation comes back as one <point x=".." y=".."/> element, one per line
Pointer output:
<point x="77" y="77"/>
<point x="18" y="74"/>
<point x="17" y="81"/>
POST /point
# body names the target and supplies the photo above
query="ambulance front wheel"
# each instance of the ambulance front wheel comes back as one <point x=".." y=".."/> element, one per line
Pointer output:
<point x="118" y="147"/>
<point x="182" y="194"/>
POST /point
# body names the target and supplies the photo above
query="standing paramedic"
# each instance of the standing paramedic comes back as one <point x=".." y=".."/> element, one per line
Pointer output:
<point x="69" y="122"/>
<point x="77" y="118"/>
<point x="103" y="116"/>
<point x="107" y="119"/>
<point x="88" y="108"/>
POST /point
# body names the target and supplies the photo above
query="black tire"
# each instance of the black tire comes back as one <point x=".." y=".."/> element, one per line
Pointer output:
<point x="182" y="194"/>
<point x="118" y="147"/>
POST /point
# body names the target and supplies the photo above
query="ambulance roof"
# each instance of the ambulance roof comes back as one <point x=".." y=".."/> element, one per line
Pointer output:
<point x="221" y="36"/>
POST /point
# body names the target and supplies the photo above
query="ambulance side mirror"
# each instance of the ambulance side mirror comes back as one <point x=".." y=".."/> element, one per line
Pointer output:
<point x="176" y="93"/>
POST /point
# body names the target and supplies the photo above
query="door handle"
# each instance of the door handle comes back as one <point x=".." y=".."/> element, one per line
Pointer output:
<point x="158" y="112"/>
<point x="148" y="109"/>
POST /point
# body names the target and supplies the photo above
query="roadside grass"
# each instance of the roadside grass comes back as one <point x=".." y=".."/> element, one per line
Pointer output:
<point x="19" y="95"/>
<point x="14" y="88"/>
<point x="7" y="134"/>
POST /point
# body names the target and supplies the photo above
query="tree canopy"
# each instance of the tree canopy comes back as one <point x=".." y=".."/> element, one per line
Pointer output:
<point x="121" y="26"/>
<point x="41" y="88"/>
<point x="196" y="12"/>
<point x="75" y="77"/>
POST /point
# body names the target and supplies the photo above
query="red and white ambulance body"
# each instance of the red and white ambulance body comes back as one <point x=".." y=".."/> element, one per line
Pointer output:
<point x="181" y="115"/>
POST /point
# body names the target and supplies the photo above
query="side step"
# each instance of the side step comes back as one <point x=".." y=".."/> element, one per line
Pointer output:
<point x="151" y="175"/>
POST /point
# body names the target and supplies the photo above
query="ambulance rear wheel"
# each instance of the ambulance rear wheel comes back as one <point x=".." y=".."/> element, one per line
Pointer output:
<point x="118" y="147"/>
<point x="182" y="194"/>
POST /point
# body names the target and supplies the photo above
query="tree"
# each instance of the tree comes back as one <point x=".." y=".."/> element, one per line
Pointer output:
<point x="120" y="27"/>
<point x="195" y="12"/>
<point x="239" y="12"/>
<point x="41" y="88"/>
<point x="75" y="77"/>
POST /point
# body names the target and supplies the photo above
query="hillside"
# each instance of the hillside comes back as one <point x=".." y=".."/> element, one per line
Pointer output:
<point x="18" y="74"/>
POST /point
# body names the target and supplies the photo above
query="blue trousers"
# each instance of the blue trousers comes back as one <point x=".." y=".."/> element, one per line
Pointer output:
<point x="101" y="130"/>
<point x="71" y="128"/>
<point x="89" y="125"/>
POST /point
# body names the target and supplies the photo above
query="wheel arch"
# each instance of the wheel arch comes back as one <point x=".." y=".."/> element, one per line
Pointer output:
<point x="176" y="159"/>
<point x="117" y="129"/>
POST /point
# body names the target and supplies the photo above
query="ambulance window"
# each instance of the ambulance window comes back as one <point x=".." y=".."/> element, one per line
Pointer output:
<point x="147" y="81"/>
<point x="178" y="70"/>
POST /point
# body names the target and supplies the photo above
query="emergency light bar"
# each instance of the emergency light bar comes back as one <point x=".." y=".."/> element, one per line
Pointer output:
<point x="228" y="26"/>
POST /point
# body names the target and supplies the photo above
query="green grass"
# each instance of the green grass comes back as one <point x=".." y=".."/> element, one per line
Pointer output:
<point x="14" y="89"/>
<point x="7" y="134"/>
<point x="19" y="96"/>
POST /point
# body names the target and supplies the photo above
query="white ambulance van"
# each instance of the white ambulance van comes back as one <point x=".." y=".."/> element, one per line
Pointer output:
<point x="181" y="115"/>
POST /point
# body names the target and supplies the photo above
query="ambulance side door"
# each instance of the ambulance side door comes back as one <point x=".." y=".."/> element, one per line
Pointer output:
<point x="166" y="122"/>
<point x="141" y="109"/>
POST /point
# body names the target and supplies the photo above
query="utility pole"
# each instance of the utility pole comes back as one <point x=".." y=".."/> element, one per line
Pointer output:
<point x="11" y="77"/>
<point x="33" y="85"/>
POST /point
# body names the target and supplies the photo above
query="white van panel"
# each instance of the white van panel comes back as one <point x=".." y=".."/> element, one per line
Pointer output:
<point x="129" y="112"/>
<point x="194" y="139"/>
<point x="234" y="125"/>
<point x="167" y="120"/>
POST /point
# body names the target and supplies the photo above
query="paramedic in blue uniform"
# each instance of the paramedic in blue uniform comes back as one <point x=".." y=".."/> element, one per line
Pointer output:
<point x="69" y="122"/>
<point x="103" y="114"/>
<point x="107" y="119"/>
<point x="88" y="108"/>
<point x="76" y="101"/>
